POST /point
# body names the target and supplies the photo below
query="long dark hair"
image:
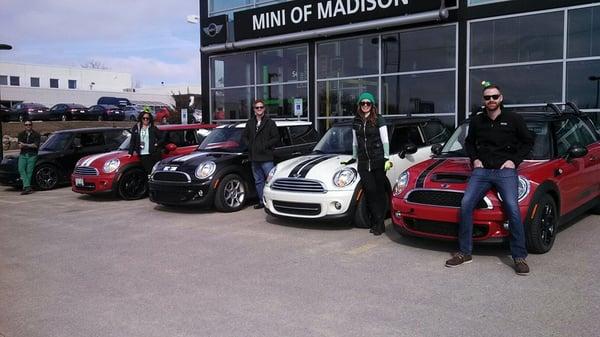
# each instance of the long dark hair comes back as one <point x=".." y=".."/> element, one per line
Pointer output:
<point x="141" y="115"/>
<point x="372" y="118"/>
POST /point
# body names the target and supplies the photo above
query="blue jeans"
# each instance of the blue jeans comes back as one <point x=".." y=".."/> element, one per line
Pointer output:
<point x="260" y="170"/>
<point x="507" y="184"/>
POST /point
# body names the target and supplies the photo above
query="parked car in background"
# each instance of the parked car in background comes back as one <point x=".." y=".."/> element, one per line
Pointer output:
<point x="559" y="180"/>
<point x="162" y="115"/>
<point x="117" y="172"/>
<point x="28" y="111"/>
<point x="132" y="112"/>
<point x="4" y="113"/>
<point x="219" y="173"/>
<point x="318" y="186"/>
<point x="59" y="153"/>
<point x="103" y="112"/>
<point x="116" y="101"/>
<point x="66" y="112"/>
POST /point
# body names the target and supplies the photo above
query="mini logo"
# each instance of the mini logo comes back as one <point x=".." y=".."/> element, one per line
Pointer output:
<point x="213" y="29"/>
<point x="445" y="186"/>
<point x="170" y="168"/>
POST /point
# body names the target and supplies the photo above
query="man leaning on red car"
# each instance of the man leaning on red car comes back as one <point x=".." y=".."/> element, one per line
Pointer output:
<point x="497" y="142"/>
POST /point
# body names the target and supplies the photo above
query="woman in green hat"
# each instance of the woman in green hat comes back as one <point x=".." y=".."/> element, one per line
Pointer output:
<point x="370" y="147"/>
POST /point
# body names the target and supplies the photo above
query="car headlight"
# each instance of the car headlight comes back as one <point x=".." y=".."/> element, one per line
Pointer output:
<point x="401" y="183"/>
<point x="111" y="165"/>
<point x="344" y="177"/>
<point x="523" y="189"/>
<point x="271" y="174"/>
<point x="205" y="169"/>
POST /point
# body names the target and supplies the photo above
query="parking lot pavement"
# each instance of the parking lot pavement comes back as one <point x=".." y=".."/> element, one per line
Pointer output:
<point x="72" y="265"/>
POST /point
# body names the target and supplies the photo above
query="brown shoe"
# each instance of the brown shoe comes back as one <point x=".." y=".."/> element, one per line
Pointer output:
<point x="521" y="267"/>
<point x="458" y="259"/>
<point x="26" y="190"/>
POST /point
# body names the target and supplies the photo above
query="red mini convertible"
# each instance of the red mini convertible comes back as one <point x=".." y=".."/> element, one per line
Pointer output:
<point x="559" y="180"/>
<point x="123" y="175"/>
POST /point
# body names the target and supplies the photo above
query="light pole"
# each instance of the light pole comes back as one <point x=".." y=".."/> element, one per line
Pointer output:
<point x="195" y="19"/>
<point x="2" y="47"/>
<point x="597" y="79"/>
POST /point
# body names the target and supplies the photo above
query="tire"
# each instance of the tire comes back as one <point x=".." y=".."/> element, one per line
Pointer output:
<point x="231" y="193"/>
<point x="100" y="118"/>
<point x="21" y="118"/>
<point x="45" y="177"/>
<point x="540" y="232"/>
<point x="63" y="117"/>
<point x="362" y="218"/>
<point x="133" y="184"/>
<point x="596" y="209"/>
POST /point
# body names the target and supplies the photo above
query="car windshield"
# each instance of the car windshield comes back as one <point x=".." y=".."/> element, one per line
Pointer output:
<point x="125" y="143"/>
<point x="455" y="146"/>
<point x="56" y="142"/>
<point x="224" y="139"/>
<point x="336" y="140"/>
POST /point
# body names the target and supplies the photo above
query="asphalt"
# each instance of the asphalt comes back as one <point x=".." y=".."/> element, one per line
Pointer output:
<point x="72" y="265"/>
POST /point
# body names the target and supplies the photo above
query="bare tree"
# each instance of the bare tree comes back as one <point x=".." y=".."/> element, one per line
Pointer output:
<point x="94" y="64"/>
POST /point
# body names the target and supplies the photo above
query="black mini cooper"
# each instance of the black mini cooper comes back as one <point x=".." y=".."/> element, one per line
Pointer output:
<point x="219" y="173"/>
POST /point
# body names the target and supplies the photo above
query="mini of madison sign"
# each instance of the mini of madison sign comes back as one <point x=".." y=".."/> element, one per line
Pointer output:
<point x="295" y="16"/>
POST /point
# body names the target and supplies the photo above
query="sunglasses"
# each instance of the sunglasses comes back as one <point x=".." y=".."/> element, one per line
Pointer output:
<point x="489" y="97"/>
<point x="259" y="107"/>
<point x="28" y="124"/>
<point x="146" y="118"/>
<point x="366" y="103"/>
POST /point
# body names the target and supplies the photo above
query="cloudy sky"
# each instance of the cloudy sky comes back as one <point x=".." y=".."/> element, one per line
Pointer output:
<point x="150" y="39"/>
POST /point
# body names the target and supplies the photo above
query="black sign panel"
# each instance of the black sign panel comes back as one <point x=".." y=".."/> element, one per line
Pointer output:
<point x="295" y="16"/>
<point x="214" y="30"/>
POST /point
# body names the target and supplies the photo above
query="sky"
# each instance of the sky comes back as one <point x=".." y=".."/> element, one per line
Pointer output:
<point x="150" y="39"/>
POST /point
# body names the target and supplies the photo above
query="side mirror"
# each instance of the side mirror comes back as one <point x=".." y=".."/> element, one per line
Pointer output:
<point x="408" y="149"/>
<point x="575" y="151"/>
<point x="436" y="149"/>
<point x="171" y="147"/>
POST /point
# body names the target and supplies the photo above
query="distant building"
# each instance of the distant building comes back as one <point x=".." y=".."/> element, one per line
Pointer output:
<point x="49" y="85"/>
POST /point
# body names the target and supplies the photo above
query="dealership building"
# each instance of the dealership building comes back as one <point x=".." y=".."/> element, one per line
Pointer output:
<point x="311" y="59"/>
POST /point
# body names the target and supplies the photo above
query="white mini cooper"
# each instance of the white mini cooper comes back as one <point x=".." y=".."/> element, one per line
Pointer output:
<point x="318" y="186"/>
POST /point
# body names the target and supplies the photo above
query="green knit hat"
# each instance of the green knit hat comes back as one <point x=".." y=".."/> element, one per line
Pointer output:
<point x="366" y="96"/>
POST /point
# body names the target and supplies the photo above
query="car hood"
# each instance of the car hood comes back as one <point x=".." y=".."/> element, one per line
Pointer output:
<point x="319" y="167"/>
<point x="196" y="158"/>
<point x="98" y="160"/>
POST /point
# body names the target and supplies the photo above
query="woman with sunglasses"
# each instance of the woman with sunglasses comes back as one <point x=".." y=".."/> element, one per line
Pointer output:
<point x="370" y="146"/>
<point x="146" y="140"/>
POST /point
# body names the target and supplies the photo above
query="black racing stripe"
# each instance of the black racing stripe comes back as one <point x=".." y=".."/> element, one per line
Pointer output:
<point x="421" y="179"/>
<point x="304" y="171"/>
<point x="294" y="172"/>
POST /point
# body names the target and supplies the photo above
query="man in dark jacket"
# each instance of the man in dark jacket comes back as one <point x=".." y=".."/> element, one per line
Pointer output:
<point x="497" y="142"/>
<point x="29" y="143"/>
<point x="262" y="136"/>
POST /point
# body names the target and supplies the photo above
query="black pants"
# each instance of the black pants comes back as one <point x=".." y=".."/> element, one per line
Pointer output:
<point x="374" y="186"/>
<point x="148" y="160"/>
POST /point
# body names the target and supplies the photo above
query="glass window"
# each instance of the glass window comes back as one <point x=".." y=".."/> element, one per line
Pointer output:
<point x="220" y="5"/>
<point x="53" y="83"/>
<point x="481" y="2"/>
<point x="325" y="124"/>
<point x="35" y="82"/>
<point x="302" y="133"/>
<point x="583" y="84"/>
<point x="517" y="39"/>
<point x="431" y="48"/>
<point x="583" y="32"/>
<point x="72" y="84"/>
<point x="279" y="99"/>
<point x="235" y="103"/>
<point x="404" y="135"/>
<point x="92" y="139"/>
<point x="435" y="132"/>
<point x="350" y="57"/>
<point x="282" y="65"/>
<point x="338" y="97"/>
<point x="3" y="80"/>
<point x="419" y="93"/>
<point x="572" y="131"/>
<point x="232" y="70"/>
<point x="116" y="137"/>
<point x="14" y="80"/>
<point x="520" y="84"/>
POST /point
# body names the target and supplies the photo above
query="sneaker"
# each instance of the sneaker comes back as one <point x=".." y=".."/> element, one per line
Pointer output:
<point x="27" y="190"/>
<point x="259" y="206"/>
<point x="521" y="267"/>
<point x="458" y="259"/>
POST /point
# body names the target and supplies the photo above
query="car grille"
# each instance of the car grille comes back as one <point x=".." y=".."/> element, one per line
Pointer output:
<point x="85" y="171"/>
<point x="296" y="208"/>
<point x="171" y="176"/>
<point x="298" y="185"/>
<point x="442" y="198"/>
<point x="442" y="228"/>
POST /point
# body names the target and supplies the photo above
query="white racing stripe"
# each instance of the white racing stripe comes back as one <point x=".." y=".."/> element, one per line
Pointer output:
<point x="189" y="156"/>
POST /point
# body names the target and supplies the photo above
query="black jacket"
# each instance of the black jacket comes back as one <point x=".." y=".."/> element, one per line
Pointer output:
<point x="154" y="137"/>
<point x="261" y="142"/>
<point x="32" y="138"/>
<point x="496" y="141"/>
<point x="370" y="153"/>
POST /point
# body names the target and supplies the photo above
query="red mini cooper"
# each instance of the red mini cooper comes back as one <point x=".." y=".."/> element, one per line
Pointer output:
<point x="123" y="175"/>
<point x="559" y="180"/>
